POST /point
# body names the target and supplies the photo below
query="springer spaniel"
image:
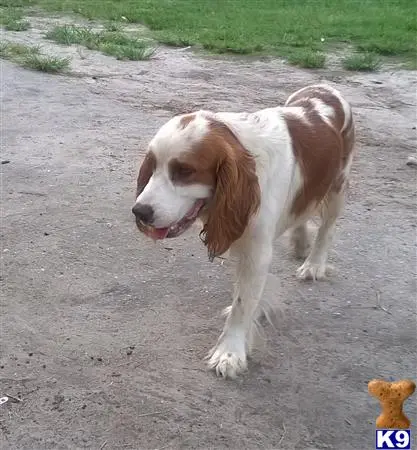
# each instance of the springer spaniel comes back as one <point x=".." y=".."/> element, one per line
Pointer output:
<point x="250" y="177"/>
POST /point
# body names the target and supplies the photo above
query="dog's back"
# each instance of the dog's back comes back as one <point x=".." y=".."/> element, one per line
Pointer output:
<point x="321" y="125"/>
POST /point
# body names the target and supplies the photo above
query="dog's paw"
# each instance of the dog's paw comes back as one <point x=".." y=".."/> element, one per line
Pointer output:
<point x="313" y="271"/>
<point x="227" y="362"/>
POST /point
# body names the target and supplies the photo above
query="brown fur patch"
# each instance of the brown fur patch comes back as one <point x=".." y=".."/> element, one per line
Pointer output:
<point x="318" y="150"/>
<point x="304" y="97"/>
<point x="319" y="146"/>
<point x="145" y="172"/>
<point x="195" y="167"/>
<point x="221" y="161"/>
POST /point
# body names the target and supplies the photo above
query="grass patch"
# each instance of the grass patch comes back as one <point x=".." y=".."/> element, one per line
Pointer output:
<point x="12" y="19"/>
<point x="410" y="64"/>
<point x="362" y="62"/>
<point x="11" y="50"/>
<point x="31" y="58"/>
<point x="129" y="52"/>
<point x="113" y="26"/>
<point x="17" y="25"/>
<point x="113" y="43"/>
<point x="15" y="3"/>
<point x="70" y="34"/>
<point x="307" y="59"/>
<point x="44" y="63"/>
<point x="282" y="27"/>
<point x="299" y="30"/>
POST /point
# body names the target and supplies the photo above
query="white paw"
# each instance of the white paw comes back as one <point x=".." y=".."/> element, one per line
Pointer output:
<point x="227" y="360"/>
<point x="313" y="271"/>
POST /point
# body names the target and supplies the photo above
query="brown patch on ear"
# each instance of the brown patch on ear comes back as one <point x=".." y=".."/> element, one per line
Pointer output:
<point x="145" y="172"/>
<point x="237" y="193"/>
<point x="186" y="119"/>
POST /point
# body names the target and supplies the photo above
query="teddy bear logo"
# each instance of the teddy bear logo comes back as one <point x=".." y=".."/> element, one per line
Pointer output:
<point x="392" y="397"/>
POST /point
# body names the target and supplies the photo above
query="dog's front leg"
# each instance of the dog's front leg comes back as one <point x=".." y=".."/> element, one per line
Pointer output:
<point x="254" y="256"/>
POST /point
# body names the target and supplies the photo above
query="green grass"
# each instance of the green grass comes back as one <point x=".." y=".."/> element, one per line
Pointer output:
<point x="31" y="58"/>
<point x="12" y="19"/>
<point x="385" y="27"/>
<point x="131" y="52"/>
<point x="362" y="62"/>
<point x="70" y="34"/>
<point x="11" y="50"/>
<point x="307" y="59"/>
<point x="44" y="63"/>
<point x="299" y="30"/>
<point x="410" y="64"/>
<point x="113" y="26"/>
<point x="113" y="43"/>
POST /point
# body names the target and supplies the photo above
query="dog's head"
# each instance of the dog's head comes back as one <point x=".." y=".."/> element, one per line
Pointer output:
<point x="195" y="166"/>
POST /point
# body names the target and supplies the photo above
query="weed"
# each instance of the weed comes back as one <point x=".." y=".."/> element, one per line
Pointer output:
<point x="12" y="50"/>
<point x="362" y="62"/>
<point x="113" y="43"/>
<point x="12" y="19"/>
<point x="307" y="59"/>
<point x="70" y="34"/>
<point x="410" y="64"/>
<point x="45" y="63"/>
<point x="113" y="26"/>
<point x="17" y="25"/>
<point x="130" y="52"/>
<point x="30" y="57"/>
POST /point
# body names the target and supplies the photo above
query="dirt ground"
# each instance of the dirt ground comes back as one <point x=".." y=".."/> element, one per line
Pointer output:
<point x="103" y="333"/>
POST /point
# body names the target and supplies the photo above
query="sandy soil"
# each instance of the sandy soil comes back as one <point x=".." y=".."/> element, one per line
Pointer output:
<point x="103" y="333"/>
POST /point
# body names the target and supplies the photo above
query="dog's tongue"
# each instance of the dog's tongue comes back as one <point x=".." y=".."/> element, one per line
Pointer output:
<point x="157" y="233"/>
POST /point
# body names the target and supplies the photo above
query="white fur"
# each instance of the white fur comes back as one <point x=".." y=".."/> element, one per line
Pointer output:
<point x="265" y="135"/>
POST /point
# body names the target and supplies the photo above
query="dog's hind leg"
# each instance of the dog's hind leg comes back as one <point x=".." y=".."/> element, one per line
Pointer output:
<point x="315" y="265"/>
<point x="300" y="239"/>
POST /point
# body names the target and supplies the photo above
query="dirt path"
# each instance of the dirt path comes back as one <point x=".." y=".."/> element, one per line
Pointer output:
<point x="103" y="332"/>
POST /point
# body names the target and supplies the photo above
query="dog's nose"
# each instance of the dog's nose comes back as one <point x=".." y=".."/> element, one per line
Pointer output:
<point x="143" y="212"/>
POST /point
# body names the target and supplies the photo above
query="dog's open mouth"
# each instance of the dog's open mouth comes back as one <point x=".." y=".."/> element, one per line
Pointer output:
<point x="175" y="229"/>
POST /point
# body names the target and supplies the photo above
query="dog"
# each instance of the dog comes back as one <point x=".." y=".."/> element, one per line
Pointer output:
<point x="249" y="177"/>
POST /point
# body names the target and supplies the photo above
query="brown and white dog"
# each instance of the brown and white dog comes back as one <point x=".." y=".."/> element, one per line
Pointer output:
<point x="250" y="177"/>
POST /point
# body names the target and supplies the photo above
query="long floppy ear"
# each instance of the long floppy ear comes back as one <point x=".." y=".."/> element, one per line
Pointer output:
<point x="236" y="197"/>
<point x="145" y="172"/>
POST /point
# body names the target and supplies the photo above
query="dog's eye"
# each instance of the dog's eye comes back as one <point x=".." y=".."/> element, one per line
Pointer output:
<point x="184" y="171"/>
